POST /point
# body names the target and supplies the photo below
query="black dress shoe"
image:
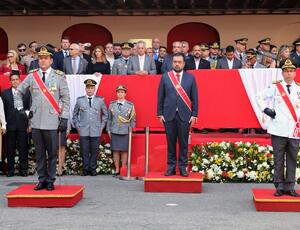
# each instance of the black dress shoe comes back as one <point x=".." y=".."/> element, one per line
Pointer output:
<point x="170" y="173"/>
<point x="279" y="192"/>
<point x="85" y="173"/>
<point x="40" y="186"/>
<point x="292" y="193"/>
<point x="93" y="173"/>
<point x="10" y="174"/>
<point x="184" y="173"/>
<point x="50" y="186"/>
<point x="116" y="174"/>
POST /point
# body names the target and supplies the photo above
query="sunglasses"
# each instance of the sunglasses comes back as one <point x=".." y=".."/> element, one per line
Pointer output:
<point x="10" y="56"/>
<point x="22" y="50"/>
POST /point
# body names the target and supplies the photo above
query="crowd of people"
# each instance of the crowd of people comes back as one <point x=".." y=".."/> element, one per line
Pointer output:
<point x="136" y="58"/>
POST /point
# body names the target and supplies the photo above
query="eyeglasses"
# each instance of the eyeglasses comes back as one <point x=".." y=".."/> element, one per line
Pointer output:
<point x="22" y="50"/>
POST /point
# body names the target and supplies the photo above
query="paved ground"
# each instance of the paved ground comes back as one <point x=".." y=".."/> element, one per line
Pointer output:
<point x="113" y="204"/>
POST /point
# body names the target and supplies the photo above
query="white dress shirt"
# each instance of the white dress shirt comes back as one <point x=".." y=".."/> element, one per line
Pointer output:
<point x="141" y="61"/>
<point x="230" y="63"/>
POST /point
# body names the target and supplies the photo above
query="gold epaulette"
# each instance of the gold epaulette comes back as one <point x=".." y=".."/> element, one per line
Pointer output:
<point x="33" y="70"/>
<point x="275" y="82"/>
<point x="61" y="73"/>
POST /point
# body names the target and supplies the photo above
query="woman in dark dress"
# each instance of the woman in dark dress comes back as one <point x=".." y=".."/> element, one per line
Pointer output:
<point x="99" y="63"/>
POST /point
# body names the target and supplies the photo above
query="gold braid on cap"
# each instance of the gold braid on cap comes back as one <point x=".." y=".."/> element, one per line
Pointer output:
<point x="288" y="64"/>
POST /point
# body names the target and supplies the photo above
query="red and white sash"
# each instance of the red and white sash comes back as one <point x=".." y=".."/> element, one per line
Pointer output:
<point x="45" y="91"/>
<point x="180" y="90"/>
<point x="291" y="108"/>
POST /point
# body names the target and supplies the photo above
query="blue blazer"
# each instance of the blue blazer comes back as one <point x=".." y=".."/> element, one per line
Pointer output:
<point x="58" y="60"/>
<point x="168" y="100"/>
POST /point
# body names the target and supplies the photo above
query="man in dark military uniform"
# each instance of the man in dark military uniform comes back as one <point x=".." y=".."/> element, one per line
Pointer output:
<point x="48" y="87"/>
<point x="89" y="118"/>
<point x="296" y="54"/>
<point x="240" y="48"/>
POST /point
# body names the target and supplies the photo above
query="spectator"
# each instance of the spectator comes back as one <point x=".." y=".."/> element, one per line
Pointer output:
<point x="185" y="50"/>
<point x="283" y="53"/>
<point x="134" y="49"/>
<point x="117" y="50"/>
<point x="149" y="51"/>
<point x="252" y="60"/>
<point x="120" y="65"/>
<point x="167" y="64"/>
<point x="197" y="62"/>
<point x="12" y="63"/>
<point x="204" y="51"/>
<point x="87" y="49"/>
<point x="240" y="49"/>
<point x="213" y="54"/>
<point x="74" y="64"/>
<point x="273" y="50"/>
<point x="268" y="60"/>
<point x="58" y="57"/>
<point x="31" y="56"/>
<point x="99" y="63"/>
<point x="229" y="61"/>
<point x="296" y="53"/>
<point x="160" y="59"/>
<point x="155" y="47"/>
<point x="17" y="125"/>
<point x="2" y="119"/>
<point x="109" y="53"/>
<point x="264" y="46"/>
<point x="21" y="51"/>
<point x="141" y="64"/>
<point x="82" y="52"/>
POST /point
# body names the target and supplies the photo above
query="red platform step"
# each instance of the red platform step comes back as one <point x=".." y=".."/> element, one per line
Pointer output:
<point x="157" y="182"/>
<point x="63" y="196"/>
<point x="264" y="200"/>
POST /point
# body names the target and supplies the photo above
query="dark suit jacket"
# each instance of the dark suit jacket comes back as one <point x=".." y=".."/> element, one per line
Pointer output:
<point x="168" y="100"/>
<point x="83" y="67"/>
<point x="223" y="64"/>
<point x="158" y="66"/>
<point x="15" y="120"/>
<point x="296" y="58"/>
<point x="58" y="60"/>
<point x="167" y="64"/>
<point x="190" y="64"/>
<point x="35" y="65"/>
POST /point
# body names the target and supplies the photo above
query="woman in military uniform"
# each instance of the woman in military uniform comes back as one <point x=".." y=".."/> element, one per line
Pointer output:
<point x="121" y="117"/>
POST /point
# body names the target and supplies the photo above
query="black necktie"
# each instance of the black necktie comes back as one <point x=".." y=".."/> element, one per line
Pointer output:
<point x="288" y="88"/>
<point x="44" y="76"/>
<point x="126" y="60"/>
<point x="119" y="106"/>
<point x="241" y="57"/>
<point x="90" y="101"/>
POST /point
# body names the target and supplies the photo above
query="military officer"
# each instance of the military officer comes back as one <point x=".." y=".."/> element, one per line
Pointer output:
<point x="121" y="117"/>
<point x="120" y="65"/>
<point x="283" y="127"/>
<point x="240" y="49"/>
<point x="296" y="54"/>
<point x="214" y="54"/>
<point x="252" y="60"/>
<point x="48" y="87"/>
<point x="89" y="118"/>
<point x="264" y="46"/>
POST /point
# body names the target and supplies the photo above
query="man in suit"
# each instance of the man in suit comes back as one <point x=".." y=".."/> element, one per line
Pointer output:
<point x="74" y="64"/>
<point x="141" y="64"/>
<point x="58" y="57"/>
<point x="229" y="61"/>
<point x="252" y="60"/>
<point x="167" y="65"/>
<point x="177" y="112"/>
<point x="196" y="62"/>
<point x="162" y="52"/>
<point x="185" y="50"/>
<point x="296" y="54"/>
<point x="121" y="64"/>
<point x="240" y="49"/>
<point x="155" y="47"/>
<point x="89" y="117"/>
<point x="17" y="125"/>
<point x="283" y="126"/>
<point x="48" y="88"/>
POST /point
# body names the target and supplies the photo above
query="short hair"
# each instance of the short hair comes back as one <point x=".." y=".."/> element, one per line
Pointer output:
<point x="65" y="38"/>
<point x="141" y="42"/>
<point x="117" y="44"/>
<point x="162" y="47"/>
<point x="178" y="55"/>
<point x="76" y="45"/>
<point x="272" y="46"/>
<point x="30" y="44"/>
<point x="229" y="49"/>
<point x="14" y="73"/>
<point x="20" y="45"/>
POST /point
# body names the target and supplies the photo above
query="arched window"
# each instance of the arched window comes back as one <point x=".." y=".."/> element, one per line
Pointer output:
<point x="87" y="32"/>
<point x="4" y="44"/>
<point x="192" y="32"/>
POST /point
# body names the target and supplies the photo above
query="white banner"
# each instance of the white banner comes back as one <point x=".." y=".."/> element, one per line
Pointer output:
<point x="255" y="81"/>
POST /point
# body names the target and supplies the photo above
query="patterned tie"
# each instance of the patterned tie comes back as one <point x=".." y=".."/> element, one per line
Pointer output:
<point x="44" y="76"/>
<point x="288" y="88"/>
<point x="90" y="101"/>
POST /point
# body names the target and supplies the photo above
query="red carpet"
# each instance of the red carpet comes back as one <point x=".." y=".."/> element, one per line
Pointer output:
<point x="62" y="196"/>
<point x="157" y="182"/>
<point x="265" y="201"/>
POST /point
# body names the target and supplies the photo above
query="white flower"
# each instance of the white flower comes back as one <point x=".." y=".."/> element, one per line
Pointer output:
<point x="107" y="151"/>
<point x="259" y="167"/>
<point x="240" y="174"/>
<point x="205" y="161"/>
<point x="297" y="173"/>
<point x="195" y="168"/>
<point x="248" y="144"/>
<point x="107" y="145"/>
<point x="252" y="175"/>
<point x="261" y="148"/>
<point x="210" y="174"/>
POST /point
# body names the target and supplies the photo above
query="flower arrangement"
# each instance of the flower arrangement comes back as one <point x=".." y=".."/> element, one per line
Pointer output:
<point x="73" y="163"/>
<point x="235" y="162"/>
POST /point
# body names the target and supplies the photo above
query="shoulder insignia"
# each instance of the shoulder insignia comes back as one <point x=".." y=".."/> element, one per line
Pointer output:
<point x="275" y="82"/>
<point x="33" y="70"/>
<point x="129" y="102"/>
<point x="81" y="97"/>
<point x="112" y="102"/>
<point x="59" y="72"/>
